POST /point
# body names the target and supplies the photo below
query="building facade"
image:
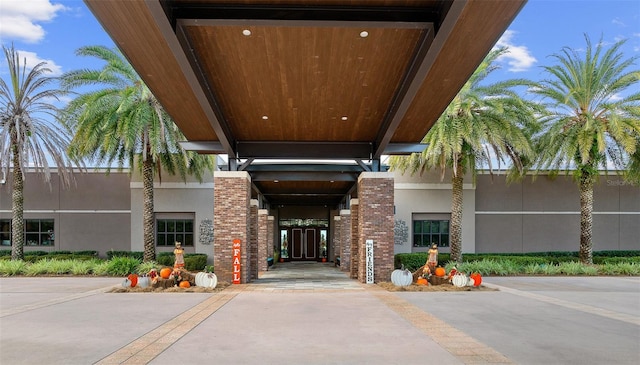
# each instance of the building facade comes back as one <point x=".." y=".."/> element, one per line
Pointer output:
<point x="103" y="212"/>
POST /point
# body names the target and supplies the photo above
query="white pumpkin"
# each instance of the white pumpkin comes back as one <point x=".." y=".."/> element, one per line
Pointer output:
<point x="459" y="280"/>
<point x="143" y="282"/>
<point x="401" y="277"/>
<point x="471" y="282"/>
<point x="206" y="279"/>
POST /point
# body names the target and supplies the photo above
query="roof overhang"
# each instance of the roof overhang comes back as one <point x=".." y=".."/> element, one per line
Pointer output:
<point x="321" y="79"/>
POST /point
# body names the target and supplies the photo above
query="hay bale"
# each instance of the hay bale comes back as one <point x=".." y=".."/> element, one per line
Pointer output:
<point x="437" y="280"/>
<point x="419" y="272"/>
<point x="164" y="283"/>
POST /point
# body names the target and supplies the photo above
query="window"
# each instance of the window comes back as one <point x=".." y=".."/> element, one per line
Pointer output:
<point x="170" y="231"/>
<point x="38" y="232"/>
<point x="428" y="232"/>
<point x="5" y="232"/>
<point x="284" y="244"/>
<point x="309" y="222"/>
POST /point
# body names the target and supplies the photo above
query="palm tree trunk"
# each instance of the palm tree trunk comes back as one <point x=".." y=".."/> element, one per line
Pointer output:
<point x="455" y="227"/>
<point x="17" y="208"/>
<point x="148" y="216"/>
<point x="586" y="219"/>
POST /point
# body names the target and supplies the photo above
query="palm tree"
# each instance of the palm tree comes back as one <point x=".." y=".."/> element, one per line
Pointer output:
<point x="123" y="123"/>
<point x="28" y="135"/>
<point x="590" y="125"/>
<point x="483" y="124"/>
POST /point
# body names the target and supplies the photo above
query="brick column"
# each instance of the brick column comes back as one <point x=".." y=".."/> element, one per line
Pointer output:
<point x="375" y="222"/>
<point x="355" y="243"/>
<point x="335" y="240"/>
<point x="345" y="240"/>
<point x="253" y="239"/>
<point x="270" y="229"/>
<point x="262" y="240"/>
<point x="232" y="192"/>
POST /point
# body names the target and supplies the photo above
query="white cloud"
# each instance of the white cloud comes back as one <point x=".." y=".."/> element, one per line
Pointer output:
<point x="20" y="18"/>
<point x="517" y="57"/>
<point x="31" y="59"/>
<point x="615" y="97"/>
<point x="618" y="22"/>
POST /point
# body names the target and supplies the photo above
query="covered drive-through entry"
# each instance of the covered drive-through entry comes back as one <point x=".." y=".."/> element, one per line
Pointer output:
<point x="339" y="81"/>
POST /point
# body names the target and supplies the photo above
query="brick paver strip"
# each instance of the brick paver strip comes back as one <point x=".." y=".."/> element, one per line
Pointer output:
<point x="464" y="347"/>
<point x="150" y="345"/>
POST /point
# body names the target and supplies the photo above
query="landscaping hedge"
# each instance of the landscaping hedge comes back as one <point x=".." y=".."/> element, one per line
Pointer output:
<point x="131" y="254"/>
<point x="413" y="261"/>
<point x="192" y="261"/>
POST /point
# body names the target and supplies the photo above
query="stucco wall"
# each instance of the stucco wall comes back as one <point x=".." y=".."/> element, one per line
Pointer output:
<point x="429" y="194"/>
<point x="91" y="214"/>
<point x="543" y="214"/>
<point x="174" y="197"/>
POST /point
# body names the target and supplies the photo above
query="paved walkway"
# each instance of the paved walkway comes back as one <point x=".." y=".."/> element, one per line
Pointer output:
<point x="313" y="314"/>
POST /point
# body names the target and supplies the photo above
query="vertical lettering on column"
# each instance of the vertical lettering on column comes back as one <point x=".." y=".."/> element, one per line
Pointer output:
<point x="369" y="262"/>
<point x="236" y="261"/>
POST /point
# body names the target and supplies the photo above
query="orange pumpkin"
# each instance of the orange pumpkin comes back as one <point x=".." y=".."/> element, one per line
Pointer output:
<point x="133" y="278"/>
<point x="185" y="284"/>
<point x="477" y="278"/>
<point x="165" y="273"/>
<point x="422" y="281"/>
<point x="440" y="271"/>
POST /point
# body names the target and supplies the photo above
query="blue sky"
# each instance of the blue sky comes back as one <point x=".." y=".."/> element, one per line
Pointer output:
<point x="52" y="30"/>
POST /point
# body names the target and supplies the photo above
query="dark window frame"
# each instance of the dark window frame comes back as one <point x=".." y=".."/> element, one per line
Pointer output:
<point x="429" y="231"/>
<point x="38" y="232"/>
<point x="172" y="230"/>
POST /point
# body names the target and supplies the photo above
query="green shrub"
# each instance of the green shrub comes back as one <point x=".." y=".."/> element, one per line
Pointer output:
<point x="4" y="253"/>
<point x="62" y="252"/>
<point x="132" y="254"/>
<point x="145" y="267"/>
<point x="192" y="261"/>
<point x="12" y="267"/>
<point x="622" y="268"/>
<point x="92" y="253"/>
<point x="577" y="268"/>
<point x="616" y="260"/>
<point x="82" y="257"/>
<point x="627" y="253"/>
<point x="121" y="266"/>
<point x="195" y="261"/>
<point x="84" y="267"/>
<point x="34" y="258"/>
<point x="101" y="268"/>
<point x="36" y="253"/>
<point x="60" y="256"/>
<point x="411" y="261"/>
<point x="490" y="267"/>
<point x="39" y="267"/>
<point x="166" y="258"/>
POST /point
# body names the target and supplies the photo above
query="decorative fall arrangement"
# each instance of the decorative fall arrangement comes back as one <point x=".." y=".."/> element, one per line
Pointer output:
<point x="171" y="277"/>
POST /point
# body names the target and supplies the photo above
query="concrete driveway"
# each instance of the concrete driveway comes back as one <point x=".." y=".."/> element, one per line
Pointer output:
<point x="529" y="320"/>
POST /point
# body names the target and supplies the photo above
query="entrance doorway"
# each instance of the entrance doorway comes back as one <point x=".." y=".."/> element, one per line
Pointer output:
<point x="303" y="243"/>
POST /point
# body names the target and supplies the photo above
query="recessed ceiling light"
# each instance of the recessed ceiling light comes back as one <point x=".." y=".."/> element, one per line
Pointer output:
<point x="344" y="118"/>
<point x="246" y="32"/>
<point x="364" y="34"/>
<point x="265" y="117"/>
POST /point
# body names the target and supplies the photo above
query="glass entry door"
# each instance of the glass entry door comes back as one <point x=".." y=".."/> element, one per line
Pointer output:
<point x="301" y="243"/>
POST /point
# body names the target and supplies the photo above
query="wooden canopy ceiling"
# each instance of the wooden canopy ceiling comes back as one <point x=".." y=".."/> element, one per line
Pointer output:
<point x="314" y="79"/>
